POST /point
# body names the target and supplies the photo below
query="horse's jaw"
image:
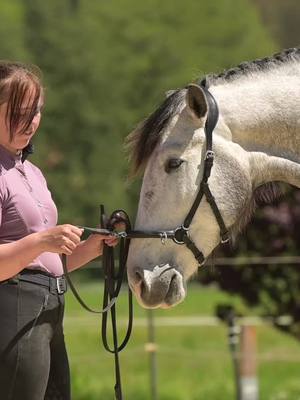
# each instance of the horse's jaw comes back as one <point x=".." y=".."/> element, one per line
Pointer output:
<point x="161" y="287"/>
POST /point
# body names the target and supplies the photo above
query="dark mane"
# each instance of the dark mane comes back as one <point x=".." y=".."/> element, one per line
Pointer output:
<point x="142" y="141"/>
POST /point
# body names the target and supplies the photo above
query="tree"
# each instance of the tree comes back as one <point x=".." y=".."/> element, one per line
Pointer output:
<point x="106" y="65"/>
<point x="12" y="44"/>
<point x="282" y="19"/>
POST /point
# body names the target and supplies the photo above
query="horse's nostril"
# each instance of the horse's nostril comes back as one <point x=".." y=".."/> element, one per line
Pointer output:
<point x="138" y="277"/>
<point x="173" y="279"/>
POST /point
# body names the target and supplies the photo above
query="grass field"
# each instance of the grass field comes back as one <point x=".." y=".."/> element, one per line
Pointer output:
<point x="193" y="362"/>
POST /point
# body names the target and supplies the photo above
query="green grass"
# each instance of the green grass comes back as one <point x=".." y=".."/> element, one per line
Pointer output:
<point x="193" y="363"/>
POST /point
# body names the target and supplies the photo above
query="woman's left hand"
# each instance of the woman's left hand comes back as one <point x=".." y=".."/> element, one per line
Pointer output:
<point x="89" y="249"/>
<point x="111" y="241"/>
<point x="97" y="240"/>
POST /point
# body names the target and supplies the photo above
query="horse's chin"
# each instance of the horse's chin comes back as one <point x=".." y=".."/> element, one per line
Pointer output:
<point x="162" y="287"/>
<point x="164" y="305"/>
<point x="145" y="303"/>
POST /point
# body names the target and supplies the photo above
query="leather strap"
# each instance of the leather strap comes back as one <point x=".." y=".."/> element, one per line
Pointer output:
<point x="112" y="285"/>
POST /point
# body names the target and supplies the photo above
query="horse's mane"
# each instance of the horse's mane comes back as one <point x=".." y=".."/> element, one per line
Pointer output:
<point x="260" y="64"/>
<point x="143" y="140"/>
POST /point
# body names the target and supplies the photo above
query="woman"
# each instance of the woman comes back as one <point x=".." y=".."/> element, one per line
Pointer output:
<point x="33" y="358"/>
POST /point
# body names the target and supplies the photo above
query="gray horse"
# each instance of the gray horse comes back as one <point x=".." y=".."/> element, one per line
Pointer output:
<point x="256" y="141"/>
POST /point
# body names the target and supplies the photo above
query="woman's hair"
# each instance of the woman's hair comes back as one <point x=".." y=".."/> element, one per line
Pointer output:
<point x="18" y="83"/>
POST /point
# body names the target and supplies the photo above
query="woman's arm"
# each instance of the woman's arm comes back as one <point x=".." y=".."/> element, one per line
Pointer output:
<point x="89" y="249"/>
<point x="15" y="256"/>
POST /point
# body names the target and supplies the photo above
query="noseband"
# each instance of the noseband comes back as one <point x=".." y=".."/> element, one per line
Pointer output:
<point x="180" y="235"/>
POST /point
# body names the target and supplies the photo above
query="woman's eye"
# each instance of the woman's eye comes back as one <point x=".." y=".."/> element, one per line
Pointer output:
<point x="172" y="164"/>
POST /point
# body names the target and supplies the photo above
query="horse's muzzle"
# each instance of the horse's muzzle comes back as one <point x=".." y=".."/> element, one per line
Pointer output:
<point x="161" y="287"/>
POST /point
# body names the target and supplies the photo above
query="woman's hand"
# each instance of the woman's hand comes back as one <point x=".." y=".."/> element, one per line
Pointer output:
<point x="89" y="249"/>
<point x="97" y="240"/>
<point x="111" y="241"/>
<point x="60" y="239"/>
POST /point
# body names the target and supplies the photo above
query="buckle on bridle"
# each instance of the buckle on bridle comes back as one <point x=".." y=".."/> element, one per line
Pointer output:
<point x="225" y="238"/>
<point x="184" y="231"/>
<point x="163" y="237"/>
<point x="122" y="234"/>
<point x="209" y="155"/>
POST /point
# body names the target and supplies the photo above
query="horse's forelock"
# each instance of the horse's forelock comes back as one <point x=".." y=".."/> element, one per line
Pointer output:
<point x="143" y="140"/>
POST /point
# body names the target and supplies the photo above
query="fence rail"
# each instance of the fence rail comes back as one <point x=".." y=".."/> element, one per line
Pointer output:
<point x="227" y="261"/>
<point x="256" y="260"/>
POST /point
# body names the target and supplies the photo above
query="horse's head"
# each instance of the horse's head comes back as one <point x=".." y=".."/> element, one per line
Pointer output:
<point x="172" y="142"/>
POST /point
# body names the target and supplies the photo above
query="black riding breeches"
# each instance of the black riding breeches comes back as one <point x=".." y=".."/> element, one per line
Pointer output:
<point x="33" y="358"/>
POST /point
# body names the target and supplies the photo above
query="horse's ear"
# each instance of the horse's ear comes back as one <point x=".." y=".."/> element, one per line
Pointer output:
<point x="196" y="101"/>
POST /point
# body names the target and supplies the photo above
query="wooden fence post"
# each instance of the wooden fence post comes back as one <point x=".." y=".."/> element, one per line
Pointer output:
<point x="151" y="348"/>
<point x="248" y="376"/>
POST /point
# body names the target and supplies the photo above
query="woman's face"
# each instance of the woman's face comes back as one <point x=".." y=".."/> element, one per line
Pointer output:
<point x="20" y="138"/>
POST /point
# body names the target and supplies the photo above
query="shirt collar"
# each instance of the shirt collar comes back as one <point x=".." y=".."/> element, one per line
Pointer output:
<point x="7" y="159"/>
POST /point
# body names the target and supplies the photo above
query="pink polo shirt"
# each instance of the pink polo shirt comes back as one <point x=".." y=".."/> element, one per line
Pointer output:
<point x="26" y="206"/>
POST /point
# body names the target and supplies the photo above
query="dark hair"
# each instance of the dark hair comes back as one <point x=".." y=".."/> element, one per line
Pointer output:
<point x="142" y="141"/>
<point x="16" y="81"/>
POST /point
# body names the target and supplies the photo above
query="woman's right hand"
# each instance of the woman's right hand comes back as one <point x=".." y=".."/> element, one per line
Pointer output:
<point x="62" y="239"/>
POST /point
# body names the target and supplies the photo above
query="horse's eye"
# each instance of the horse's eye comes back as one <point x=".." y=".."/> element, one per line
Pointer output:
<point x="172" y="164"/>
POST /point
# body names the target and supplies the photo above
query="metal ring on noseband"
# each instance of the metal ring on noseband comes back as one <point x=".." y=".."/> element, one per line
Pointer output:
<point x="183" y="229"/>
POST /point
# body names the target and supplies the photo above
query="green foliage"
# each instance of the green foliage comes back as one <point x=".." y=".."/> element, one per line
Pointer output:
<point x="282" y="18"/>
<point x="12" y="45"/>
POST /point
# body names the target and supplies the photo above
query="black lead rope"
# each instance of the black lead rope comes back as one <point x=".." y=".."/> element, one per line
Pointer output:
<point x="113" y="279"/>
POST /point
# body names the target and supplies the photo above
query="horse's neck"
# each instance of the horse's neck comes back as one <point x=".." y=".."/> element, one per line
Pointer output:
<point x="262" y="111"/>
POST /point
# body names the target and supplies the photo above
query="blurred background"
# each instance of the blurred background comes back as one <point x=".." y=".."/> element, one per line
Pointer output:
<point x="106" y="66"/>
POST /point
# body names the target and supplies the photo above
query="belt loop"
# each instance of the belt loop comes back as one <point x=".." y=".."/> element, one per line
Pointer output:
<point x="14" y="279"/>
